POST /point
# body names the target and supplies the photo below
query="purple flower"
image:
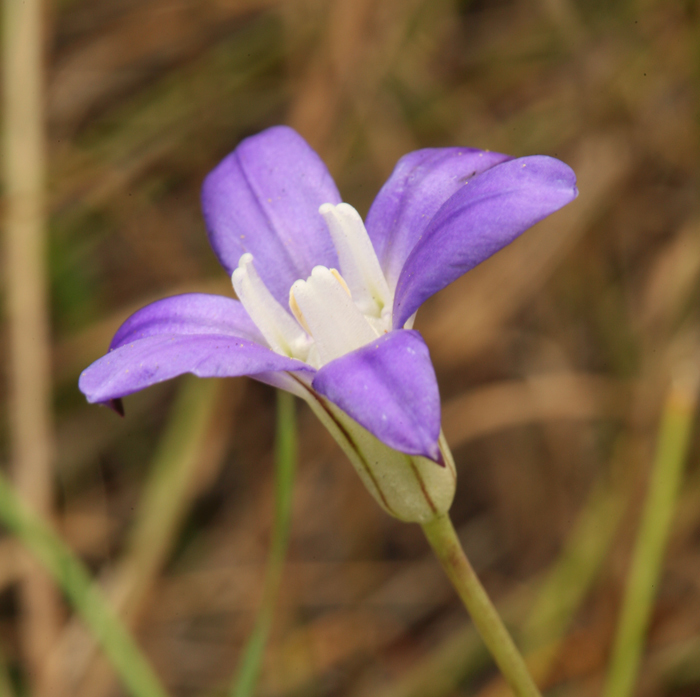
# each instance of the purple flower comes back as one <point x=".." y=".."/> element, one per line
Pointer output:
<point x="327" y="302"/>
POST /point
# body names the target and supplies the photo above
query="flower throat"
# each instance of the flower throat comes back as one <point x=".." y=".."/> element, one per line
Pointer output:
<point x="332" y="312"/>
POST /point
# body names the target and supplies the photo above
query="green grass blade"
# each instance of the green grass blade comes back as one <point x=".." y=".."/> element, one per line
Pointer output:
<point x="285" y="466"/>
<point x="6" y="687"/>
<point x="664" y="484"/>
<point x="85" y="596"/>
<point x="168" y="490"/>
<point x="566" y="584"/>
<point x="170" y="487"/>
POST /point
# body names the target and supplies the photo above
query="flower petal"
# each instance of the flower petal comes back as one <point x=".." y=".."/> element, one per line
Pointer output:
<point x="486" y="214"/>
<point x="208" y="335"/>
<point x="192" y="313"/>
<point x="264" y="199"/>
<point x="156" y="358"/>
<point x="420" y="183"/>
<point x="388" y="387"/>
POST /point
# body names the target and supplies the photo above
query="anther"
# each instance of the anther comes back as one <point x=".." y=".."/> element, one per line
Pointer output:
<point x="296" y="310"/>
<point x="341" y="280"/>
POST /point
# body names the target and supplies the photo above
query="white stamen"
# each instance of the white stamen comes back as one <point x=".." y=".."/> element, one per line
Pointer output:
<point x="334" y="321"/>
<point x="408" y="324"/>
<point x="339" y="312"/>
<point x="359" y="265"/>
<point x="280" y="330"/>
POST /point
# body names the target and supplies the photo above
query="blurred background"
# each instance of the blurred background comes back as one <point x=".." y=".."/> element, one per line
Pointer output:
<point x="557" y="358"/>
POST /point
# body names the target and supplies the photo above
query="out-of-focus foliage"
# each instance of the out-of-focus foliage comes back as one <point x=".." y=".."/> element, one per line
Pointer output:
<point x="553" y="357"/>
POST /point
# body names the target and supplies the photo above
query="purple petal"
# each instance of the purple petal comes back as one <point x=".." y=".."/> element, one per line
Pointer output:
<point x="420" y="183"/>
<point x="264" y="199"/>
<point x="208" y="335"/>
<point x="150" y="360"/>
<point x="486" y="214"/>
<point x="388" y="387"/>
<point x="193" y="313"/>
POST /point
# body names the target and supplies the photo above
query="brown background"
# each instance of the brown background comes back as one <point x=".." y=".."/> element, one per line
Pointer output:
<point x="553" y="357"/>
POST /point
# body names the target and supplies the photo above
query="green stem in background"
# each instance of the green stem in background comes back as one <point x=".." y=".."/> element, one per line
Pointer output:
<point x="168" y="492"/>
<point x="558" y="597"/>
<point x="446" y="545"/>
<point x="86" y="597"/>
<point x="570" y="578"/>
<point x="28" y="361"/>
<point x="664" y="484"/>
<point x="174" y="480"/>
<point x="285" y="466"/>
<point x="6" y="687"/>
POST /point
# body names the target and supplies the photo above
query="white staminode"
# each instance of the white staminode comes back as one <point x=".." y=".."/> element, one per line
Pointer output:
<point x="333" y="320"/>
<point x="358" y="261"/>
<point x="280" y="330"/>
<point x="335" y="312"/>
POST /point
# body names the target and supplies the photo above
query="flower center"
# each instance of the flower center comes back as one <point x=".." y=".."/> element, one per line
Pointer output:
<point x="335" y="312"/>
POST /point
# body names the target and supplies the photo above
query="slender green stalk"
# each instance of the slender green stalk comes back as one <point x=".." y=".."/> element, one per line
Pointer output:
<point x="28" y="346"/>
<point x="664" y="484"/>
<point x="559" y="595"/>
<point x="167" y="493"/>
<point x="446" y="545"/>
<point x="569" y="579"/>
<point x="6" y="687"/>
<point x="71" y="576"/>
<point x="285" y="466"/>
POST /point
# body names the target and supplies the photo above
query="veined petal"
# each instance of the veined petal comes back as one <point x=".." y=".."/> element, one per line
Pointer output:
<point x="389" y="388"/>
<point x="485" y="214"/>
<point x="420" y="183"/>
<point x="191" y="313"/>
<point x="264" y="199"/>
<point x="156" y="358"/>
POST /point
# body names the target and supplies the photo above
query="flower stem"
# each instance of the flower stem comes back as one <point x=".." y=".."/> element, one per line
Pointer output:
<point x="285" y="467"/>
<point x="28" y="371"/>
<point x="446" y="545"/>
<point x="674" y="441"/>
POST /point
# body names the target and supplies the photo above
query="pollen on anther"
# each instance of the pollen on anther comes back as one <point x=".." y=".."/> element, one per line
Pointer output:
<point x="341" y="280"/>
<point x="296" y="310"/>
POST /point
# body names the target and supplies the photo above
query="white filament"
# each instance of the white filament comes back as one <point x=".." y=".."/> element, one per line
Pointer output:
<point x="359" y="265"/>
